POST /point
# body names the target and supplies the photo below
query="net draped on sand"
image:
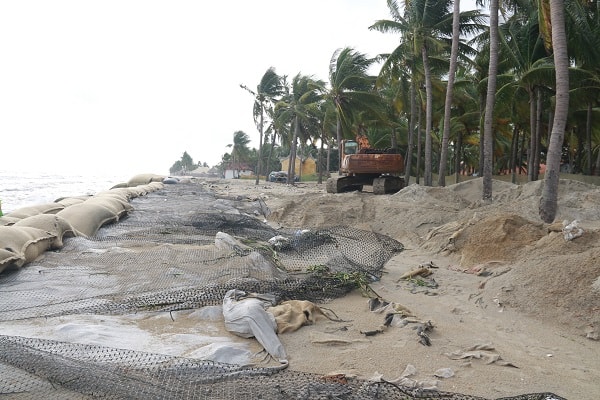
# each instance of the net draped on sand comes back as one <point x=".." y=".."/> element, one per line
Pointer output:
<point x="183" y="247"/>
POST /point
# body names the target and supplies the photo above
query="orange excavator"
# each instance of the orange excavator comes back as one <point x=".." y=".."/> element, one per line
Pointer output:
<point x="362" y="165"/>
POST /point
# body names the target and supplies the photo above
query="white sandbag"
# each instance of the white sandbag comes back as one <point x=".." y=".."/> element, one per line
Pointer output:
<point x="247" y="317"/>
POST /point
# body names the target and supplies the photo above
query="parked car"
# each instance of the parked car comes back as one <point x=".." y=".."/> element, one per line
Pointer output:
<point x="280" y="176"/>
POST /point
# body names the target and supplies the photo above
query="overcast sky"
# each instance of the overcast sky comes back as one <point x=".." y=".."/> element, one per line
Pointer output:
<point x="129" y="85"/>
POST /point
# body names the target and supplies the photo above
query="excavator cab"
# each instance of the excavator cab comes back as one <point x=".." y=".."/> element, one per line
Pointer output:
<point x="350" y="147"/>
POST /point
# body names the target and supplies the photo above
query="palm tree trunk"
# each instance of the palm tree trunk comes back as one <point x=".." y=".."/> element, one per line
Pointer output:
<point x="320" y="157"/>
<point x="538" y="134"/>
<point x="411" y="133"/>
<point x="488" y="134"/>
<point x="481" y="138"/>
<point x="419" y="145"/>
<point x="532" y="141"/>
<point x="514" y="144"/>
<point x="328" y="158"/>
<point x="260" y="145"/>
<point x="588" y="140"/>
<point x="458" y="156"/>
<point x="292" y="166"/>
<point x="521" y="155"/>
<point x="449" y="92"/>
<point x="271" y="151"/>
<point x="338" y="130"/>
<point x="428" y="117"/>
<point x="549" y="200"/>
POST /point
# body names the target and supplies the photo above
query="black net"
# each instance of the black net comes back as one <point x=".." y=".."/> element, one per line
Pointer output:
<point x="168" y="255"/>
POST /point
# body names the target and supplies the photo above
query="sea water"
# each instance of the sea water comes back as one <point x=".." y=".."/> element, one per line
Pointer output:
<point x="22" y="189"/>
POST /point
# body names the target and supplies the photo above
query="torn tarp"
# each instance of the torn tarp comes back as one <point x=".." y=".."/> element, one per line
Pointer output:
<point x="246" y="316"/>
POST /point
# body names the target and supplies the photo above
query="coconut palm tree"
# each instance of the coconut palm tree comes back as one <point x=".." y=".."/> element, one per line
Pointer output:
<point x="426" y="29"/>
<point x="327" y="130"/>
<point x="239" y="148"/>
<point x="267" y="90"/>
<point x="297" y="110"/>
<point x="488" y="137"/>
<point x="549" y="198"/>
<point x="351" y="89"/>
<point x="449" y="92"/>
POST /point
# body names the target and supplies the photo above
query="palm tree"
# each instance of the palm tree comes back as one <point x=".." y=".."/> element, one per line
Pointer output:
<point x="426" y="29"/>
<point x="327" y="131"/>
<point x="488" y="136"/>
<point x="351" y="89"/>
<point x="239" y="148"/>
<point x="297" y="110"/>
<point x="449" y="92"/>
<point x="549" y="199"/>
<point x="267" y="90"/>
<point x="526" y="76"/>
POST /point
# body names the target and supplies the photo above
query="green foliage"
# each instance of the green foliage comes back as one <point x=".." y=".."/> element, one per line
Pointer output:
<point x="185" y="164"/>
<point x="356" y="279"/>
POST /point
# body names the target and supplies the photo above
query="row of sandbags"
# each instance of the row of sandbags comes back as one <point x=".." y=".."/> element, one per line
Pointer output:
<point x="28" y="232"/>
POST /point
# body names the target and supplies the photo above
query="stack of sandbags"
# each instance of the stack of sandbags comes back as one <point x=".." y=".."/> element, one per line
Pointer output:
<point x="29" y="231"/>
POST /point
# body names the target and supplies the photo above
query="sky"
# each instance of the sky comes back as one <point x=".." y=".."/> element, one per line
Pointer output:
<point x="128" y="86"/>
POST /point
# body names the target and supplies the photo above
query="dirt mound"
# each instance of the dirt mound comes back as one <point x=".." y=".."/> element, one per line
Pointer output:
<point x="554" y="281"/>
<point x="503" y="237"/>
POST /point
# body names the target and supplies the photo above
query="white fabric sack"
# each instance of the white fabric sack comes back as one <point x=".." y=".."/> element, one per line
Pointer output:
<point x="247" y="317"/>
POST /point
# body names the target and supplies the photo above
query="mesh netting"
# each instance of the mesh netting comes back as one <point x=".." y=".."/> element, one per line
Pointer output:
<point x="165" y="256"/>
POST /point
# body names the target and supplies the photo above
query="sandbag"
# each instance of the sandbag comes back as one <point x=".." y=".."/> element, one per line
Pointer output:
<point x="5" y="220"/>
<point x="245" y="316"/>
<point x="143" y="179"/>
<point x="154" y="186"/>
<point x="52" y="223"/>
<point x="70" y="201"/>
<point x="9" y="259"/>
<point x="86" y="218"/>
<point x="120" y="194"/>
<point x="118" y="206"/>
<point x="47" y="208"/>
<point x="125" y="193"/>
<point x="291" y="315"/>
<point x="25" y="241"/>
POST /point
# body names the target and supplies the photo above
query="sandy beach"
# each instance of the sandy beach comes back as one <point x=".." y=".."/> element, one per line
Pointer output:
<point x="494" y="303"/>
<point x="515" y="306"/>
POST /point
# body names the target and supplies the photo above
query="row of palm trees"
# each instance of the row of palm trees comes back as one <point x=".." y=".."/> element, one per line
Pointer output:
<point x="469" y="97"/>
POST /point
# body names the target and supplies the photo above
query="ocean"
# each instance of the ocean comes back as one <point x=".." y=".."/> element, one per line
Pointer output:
<point x="22" y="189"/>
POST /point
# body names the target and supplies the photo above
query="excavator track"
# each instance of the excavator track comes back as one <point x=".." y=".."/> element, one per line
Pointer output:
<point x="387" y="185"/>
<point x="343" y="184"/>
